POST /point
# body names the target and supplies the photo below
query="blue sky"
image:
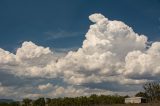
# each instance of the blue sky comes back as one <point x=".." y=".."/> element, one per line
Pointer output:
<point x="45" y="49"/>
<point x="40" y="22"/>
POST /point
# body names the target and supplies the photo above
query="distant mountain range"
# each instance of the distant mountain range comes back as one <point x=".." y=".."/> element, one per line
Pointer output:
<point x="6" y="100"/>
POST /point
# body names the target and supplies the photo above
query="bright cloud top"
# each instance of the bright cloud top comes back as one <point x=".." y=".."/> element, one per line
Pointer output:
<point x="112" y="53"/>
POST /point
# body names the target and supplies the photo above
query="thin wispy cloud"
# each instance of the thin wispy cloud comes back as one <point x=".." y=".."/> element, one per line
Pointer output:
<point x="61" y="34"/>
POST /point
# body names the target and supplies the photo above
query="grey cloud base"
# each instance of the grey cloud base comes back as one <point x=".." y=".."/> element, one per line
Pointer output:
<point x="111" y="54"/>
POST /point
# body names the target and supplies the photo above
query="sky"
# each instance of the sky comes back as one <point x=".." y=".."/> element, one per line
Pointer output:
<point x="57" y="48"/>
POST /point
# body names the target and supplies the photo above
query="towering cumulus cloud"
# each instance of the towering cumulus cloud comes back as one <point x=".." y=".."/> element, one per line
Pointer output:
<point x="112" y="54"/>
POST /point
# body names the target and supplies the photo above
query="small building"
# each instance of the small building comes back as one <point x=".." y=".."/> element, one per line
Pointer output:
<point x="135" y="100"/>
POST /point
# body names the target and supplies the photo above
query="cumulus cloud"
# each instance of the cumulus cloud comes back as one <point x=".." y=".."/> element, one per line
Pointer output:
<point x="29" y="50"/>
<point x="103" y="53"/>
<point x="30" y="60"/>
<point x="6" y="58"/>
<point x="144" y="64"/>
<point x="111" y="53"/>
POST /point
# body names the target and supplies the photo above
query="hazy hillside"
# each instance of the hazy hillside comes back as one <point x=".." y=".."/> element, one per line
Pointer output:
<point x="6" y="100"/>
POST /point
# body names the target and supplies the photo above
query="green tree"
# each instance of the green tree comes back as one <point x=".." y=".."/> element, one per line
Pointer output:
<point x="27" y="102"/>
<point x="39" y="102"/>
<point x="48" y="101"/>
<point x="152" y="90"/>
<point x="141" y="94"/>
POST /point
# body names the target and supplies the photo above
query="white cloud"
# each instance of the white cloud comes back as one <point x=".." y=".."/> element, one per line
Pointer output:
<point x="144" y="64"/>
<point x="71" y="91"/>
<point x="97" y="17"/>
<point x="29" y="50"/>
<point x="103" y="52"/>
<point x="47" y="86"/>
<point x="6" y="58"/>
<point x="30" y="60"/>
<point x="112" y="53"/>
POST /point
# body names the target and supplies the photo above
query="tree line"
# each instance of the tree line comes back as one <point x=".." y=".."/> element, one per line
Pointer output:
<point x="92" y="100"/>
